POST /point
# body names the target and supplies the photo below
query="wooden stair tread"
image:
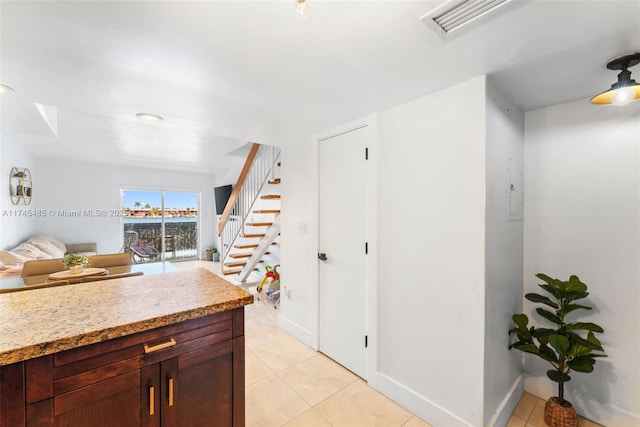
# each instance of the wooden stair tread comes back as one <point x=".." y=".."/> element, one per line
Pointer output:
<point x="274" y="181"/>
<point x="238" y="263"/>
<point x="267" y="211"/>
<point x="255" y="245"/>
<point x="244" y="255"/>
<point x="270" y="197"/>
<point x="259" y="224"/>
<point x="252" y="236"/>
<point x="236" y="271"/>
<point x="235" y="264"/>
<point x="245" y="246"/>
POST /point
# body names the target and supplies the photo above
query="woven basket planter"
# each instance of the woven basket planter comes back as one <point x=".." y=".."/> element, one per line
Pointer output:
<point x="557" y="415"/>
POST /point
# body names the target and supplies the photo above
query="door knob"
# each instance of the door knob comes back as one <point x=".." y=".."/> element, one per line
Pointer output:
<point x="322" y="256"/>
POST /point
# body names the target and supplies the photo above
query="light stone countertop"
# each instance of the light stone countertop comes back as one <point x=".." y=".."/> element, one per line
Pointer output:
<point x="39" y="322"/>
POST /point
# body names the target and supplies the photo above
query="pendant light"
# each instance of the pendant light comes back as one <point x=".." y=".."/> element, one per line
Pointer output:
<point x="625" y="89"/>
<point x="302" y="8"/>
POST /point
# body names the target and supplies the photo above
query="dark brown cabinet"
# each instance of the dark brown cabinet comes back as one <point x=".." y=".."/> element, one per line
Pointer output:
<point x="187" y="374"/>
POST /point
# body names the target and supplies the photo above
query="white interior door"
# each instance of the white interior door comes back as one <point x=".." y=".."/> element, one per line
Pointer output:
<point x="342" y="237"/>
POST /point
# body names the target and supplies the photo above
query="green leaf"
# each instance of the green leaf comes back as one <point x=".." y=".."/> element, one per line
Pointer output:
<point x="541" y="299"/>
<point x="585" y="326"/>
<point x="517" y="344"/>
<point x="544" y="277"/>
<point x="578" y="350"/>
<point x="553" y="291"/>
<point x="542" y="335"/>
<point x="559" y="343"/>
<point x="525" y="338"/>
<point x="547" y="354"/>
<point x="571" y="307"/>
<point x="573" y="337"/>
<point x="576" y="285"/>
<point x="548" y="315"/>
<point x="521" y="320"/>
<point x="558" y="376"/>
<point x="527" y="348"/>
<point x="591" y="338"/>
<point x="574" y="295"/>
<point x="540" y="332"/>
<point x="582" y="364"/>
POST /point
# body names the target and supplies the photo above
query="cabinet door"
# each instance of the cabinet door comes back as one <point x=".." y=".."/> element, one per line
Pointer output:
<point x="111" y="403"/>
<point x="204" y="393"/>
<point x="150" y="396"/>
<point x="169" y="385"/>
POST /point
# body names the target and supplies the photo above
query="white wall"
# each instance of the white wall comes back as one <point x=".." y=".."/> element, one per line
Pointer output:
<point x="431" y="225"/>
<point x="504" y="240"/>
<point x="432" y="161"/>
<point x="15" y="229"/>
<point x="71" y="185"/>
<point x="582" y="216"/>
<point x="298" y="249"/>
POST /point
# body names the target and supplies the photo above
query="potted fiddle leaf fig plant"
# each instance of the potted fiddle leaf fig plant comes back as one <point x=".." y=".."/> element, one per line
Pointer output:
<point x="75" y="263"/>
<point x="564" y="346"/>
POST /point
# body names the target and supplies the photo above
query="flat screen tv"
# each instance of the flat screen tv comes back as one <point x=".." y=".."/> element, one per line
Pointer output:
<point x="222" y="195"/>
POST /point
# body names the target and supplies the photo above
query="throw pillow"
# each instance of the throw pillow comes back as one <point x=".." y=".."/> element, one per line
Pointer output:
<point x="30" y="251"/>
<point x="9" y="258"/>
<point x="49" y="245"/>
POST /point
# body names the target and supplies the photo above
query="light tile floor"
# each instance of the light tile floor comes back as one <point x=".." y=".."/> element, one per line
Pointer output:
<point x="530" y="413"/>
<point x="289" y="384"/>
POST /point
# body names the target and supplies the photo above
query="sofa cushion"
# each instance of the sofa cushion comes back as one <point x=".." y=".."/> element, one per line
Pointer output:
<point x="87" y="249"/>
<point x="49" y="245"/>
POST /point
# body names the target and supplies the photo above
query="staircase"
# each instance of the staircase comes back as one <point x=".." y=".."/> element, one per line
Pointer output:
<point x="250" y="224"/>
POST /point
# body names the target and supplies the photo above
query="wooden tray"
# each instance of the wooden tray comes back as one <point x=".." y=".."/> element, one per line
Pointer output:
<point x="67" y="274"/>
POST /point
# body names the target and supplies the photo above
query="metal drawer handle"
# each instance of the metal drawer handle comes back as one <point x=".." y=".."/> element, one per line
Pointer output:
<point x="152" y="399"/>
<point x="170" y="343"/>
<point x="170" y="384"/>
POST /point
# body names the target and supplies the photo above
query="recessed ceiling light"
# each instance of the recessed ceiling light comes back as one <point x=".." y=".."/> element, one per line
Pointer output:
<point x="302" y="9"/>
<point x="149" y="117"/>
<point x="5" y="88"/>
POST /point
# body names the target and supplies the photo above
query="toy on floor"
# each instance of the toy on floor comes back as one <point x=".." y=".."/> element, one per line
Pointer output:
<point x="272" y="276"/>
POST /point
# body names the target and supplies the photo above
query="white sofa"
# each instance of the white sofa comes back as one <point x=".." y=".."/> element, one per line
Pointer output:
<point x="43" y="246"/>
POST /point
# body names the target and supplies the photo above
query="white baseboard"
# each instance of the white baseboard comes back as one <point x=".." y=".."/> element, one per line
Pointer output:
<point x="300" y="333"/>
<point x="501" y="417"/>
<point x="419" y="405"/>
<point x="586" y="406"/>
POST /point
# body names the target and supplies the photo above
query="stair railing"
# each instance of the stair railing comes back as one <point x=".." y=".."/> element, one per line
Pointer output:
<point x="257" y="169"/>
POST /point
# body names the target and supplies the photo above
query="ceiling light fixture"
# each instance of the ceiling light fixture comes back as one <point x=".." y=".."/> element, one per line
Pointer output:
<point x="148" y="117"/>
<point x="5" y="88"/>
<point x="302" y="9"/>
<point x="625" y="89"/>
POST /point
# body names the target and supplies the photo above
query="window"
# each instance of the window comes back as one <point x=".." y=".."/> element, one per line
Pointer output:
<point x="160" y="225"/>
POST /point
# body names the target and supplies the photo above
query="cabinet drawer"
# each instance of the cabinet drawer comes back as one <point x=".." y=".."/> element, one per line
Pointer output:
<point x="87" y="365"/>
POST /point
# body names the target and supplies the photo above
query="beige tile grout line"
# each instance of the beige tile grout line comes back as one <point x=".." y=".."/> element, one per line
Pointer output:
<point x="313" y="406"/>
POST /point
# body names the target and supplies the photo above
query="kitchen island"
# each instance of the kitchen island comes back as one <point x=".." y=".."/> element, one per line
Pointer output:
<point x="159" y="350"/>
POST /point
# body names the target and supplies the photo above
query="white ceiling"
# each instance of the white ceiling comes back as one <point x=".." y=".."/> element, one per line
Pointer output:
<point x="223" y="73"/>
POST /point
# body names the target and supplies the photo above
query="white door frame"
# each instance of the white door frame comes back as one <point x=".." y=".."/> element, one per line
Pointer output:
<point x="370" y="123"/>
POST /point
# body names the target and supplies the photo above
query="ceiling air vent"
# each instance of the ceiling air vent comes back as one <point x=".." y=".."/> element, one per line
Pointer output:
<point x="454" y="14"/>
